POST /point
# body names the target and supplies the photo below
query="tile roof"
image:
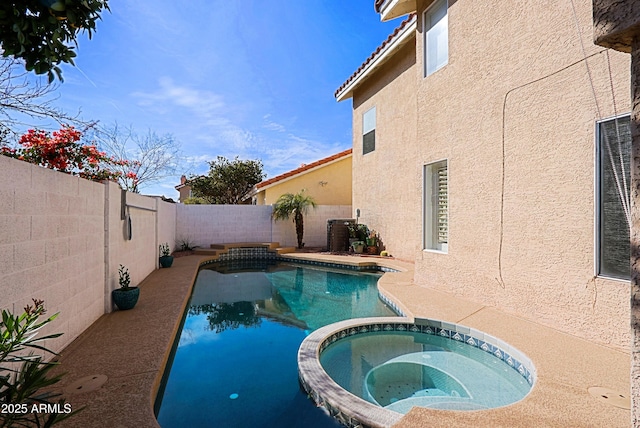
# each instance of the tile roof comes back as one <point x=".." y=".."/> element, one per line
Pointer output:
<point x="303" y="168"/>
<point x="410" y="19"/>
<point x="378" y="4"/>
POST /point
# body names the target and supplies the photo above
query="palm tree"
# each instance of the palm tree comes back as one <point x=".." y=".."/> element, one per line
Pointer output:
<point x="296" y="205"/>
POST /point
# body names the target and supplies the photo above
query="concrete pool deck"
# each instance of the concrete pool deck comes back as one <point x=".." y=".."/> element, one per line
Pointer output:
<point x="131" y="348"/>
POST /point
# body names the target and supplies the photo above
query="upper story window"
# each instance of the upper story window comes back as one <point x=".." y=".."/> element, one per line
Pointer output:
<point x="369" y="131"/>
<point x="436" y="37"/>
<point x="614" y="180"/>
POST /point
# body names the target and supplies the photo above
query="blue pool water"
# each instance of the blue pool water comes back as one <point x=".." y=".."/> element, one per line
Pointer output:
<point x="235" y="362"/>
<point x="399" y="370"/>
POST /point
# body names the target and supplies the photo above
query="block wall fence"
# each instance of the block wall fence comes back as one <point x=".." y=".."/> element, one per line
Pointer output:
<point x="62" y="239"/>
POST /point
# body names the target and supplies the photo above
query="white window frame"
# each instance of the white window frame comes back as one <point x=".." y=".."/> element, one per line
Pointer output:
<point x="431" y="190"/>
<point x="369" y="125"/>
<point x="600" y="151"/>
<point x="428" y="26"/>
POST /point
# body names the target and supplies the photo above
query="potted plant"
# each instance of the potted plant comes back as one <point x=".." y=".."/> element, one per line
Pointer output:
<point x="166" y="259"/>
<point x="126" y="296"/>
<point x="353" y="233"/>
<point x="358" y="247"/>
<point x="372" y="242"/>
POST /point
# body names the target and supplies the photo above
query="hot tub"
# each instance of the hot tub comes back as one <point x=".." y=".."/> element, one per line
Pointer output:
<point x="372" y="371"/>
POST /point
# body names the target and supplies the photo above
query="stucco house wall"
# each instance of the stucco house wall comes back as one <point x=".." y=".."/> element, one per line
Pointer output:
<point x="328" y="185"/>
<point x="384" y="181"/>
<point x="617" y="25"/>
<point x="515" y="103"/>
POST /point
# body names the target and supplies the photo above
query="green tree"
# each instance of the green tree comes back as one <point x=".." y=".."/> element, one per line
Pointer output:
<point x="296" y="205"/>
<point x="228" y="182"/>
<point x="40" y="31"/>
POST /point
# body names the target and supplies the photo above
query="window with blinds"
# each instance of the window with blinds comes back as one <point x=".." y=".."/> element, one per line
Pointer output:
<point x="443" y="202"/>
<point x="436" y="206"/>
<point x="614" y="181"/>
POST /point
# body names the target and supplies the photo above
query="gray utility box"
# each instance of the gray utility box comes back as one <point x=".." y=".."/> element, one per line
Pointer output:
<point x="338" y="234"/>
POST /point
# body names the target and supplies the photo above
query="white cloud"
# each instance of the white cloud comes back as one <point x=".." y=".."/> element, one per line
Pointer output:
<point x="271" y="125"/>
<point x="205" y="104"/>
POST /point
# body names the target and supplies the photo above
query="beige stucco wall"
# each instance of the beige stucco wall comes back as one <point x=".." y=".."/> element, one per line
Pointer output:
<point x="51" y="246"/>
<point x="328" y="184"/>
<point x="384" y="180"/>
<point x="185" y="192"/>
<point x="535" y="257"/>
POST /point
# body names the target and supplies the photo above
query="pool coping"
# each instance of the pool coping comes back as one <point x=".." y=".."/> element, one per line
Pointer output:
<point x="132" y="349"/>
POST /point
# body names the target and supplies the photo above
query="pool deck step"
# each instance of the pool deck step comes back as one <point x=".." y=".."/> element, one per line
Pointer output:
<point x="215" y="250"/>
<point x="226" y="246"/>
<point x="285" y="250"/>
<point x="206" y="252"/>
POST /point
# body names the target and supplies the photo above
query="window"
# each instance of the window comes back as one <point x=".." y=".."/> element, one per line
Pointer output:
<point x="436" y="37"/>
<point x="436" y="206"/>
<point x="369" y="131"/>
<point x="614" y="179"/>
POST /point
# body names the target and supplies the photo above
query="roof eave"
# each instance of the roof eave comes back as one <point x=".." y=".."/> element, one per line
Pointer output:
<point x="291" y="177"/>
<point x="391" y="9"/>
<point x="401" y="39"/>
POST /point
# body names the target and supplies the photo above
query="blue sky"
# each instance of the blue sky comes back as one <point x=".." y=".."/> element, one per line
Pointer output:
<point x="250" y="78"/>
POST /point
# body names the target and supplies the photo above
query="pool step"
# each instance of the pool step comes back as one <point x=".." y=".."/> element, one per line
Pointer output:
<point x="216" y="250"/>
<point x="206" y="251"/>
<point x="285" y="250"/>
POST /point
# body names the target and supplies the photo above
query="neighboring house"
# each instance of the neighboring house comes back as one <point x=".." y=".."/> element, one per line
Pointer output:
<point x="328" y="181"/>
<point x="184" y="189"/>
<point x="490" y="147"/>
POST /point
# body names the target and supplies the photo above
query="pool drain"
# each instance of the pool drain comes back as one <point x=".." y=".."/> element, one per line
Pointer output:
<point x="610" y="396"/>
<point x="86" y="384"/>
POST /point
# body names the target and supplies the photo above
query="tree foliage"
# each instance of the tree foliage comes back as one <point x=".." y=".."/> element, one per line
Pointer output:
<point x="152" y="157"/>
<point x="23" y="371"/>
<point x="228" y="181"/>
<point x="40" y="31"/>
<point x="23" y="99"/>
<point x="297" y="206"/>
<point x="63" y="151"/>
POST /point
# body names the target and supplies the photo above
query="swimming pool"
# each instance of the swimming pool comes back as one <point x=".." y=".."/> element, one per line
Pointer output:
<point x="235" y="359"/>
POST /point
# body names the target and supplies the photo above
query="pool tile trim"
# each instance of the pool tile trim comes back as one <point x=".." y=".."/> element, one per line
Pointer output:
<point x="353" y="411"/>
<point x="263" y="253"/>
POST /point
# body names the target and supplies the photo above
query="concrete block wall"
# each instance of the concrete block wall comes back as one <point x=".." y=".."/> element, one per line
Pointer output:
<point x="167" y="223"/>
<point x="51" y="246"/>
<point x="140" y="253"/>
<point x="62" y="239"/>
<point x="204" y="225"/>
<point x="315" y="226"/>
